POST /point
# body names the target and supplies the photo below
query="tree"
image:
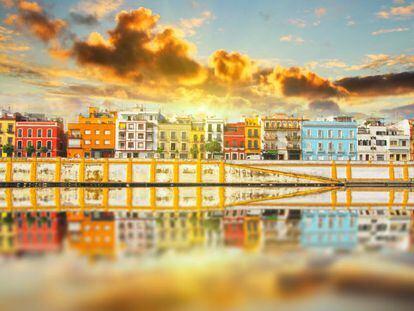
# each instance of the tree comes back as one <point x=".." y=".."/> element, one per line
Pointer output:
<point x="29" y="150"/>
<point x="8" y="149"/>
<point x="194" y="151"/>
<point x="214" y="147"/>
<point x="43" y="149"/>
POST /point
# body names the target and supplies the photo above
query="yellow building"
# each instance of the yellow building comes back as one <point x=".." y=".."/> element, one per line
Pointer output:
<point x="93" y="136"/>
<point x="7" y="129"/>
<point x="252" y="140"/>
<point x="197" y="139"/>
<point x="7" y="234"/>
<point x="174" y="139"/>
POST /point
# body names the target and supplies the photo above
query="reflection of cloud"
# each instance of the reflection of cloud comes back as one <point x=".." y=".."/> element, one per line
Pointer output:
<point x="390" y="30"/>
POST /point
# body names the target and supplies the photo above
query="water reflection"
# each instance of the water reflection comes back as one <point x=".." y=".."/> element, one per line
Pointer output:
<point x="117" y="234"/>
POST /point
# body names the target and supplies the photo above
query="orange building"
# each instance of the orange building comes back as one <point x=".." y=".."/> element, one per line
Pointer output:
<point x="92" y="136"/>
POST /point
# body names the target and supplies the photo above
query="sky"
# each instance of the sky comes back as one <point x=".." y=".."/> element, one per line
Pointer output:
<point x="224" y="58"/>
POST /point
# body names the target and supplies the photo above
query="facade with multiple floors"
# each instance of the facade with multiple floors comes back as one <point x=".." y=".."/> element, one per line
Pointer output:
<point x="174" y="139"/>
<point x="136" y="134"/>
<point x="329" y="139"/>
<point x="197" y="139"/>
<point x="252" y="138"/>
<point x="407" y="126"/>
<point x="234" y="137"/>
<point x="8" y="129"/>
<point x="46" y="137"/>
<point x="93" y="136"/>
<point x="379" y="142"/>
<point x="214" y="132"/>
<point x="281" y="137"/>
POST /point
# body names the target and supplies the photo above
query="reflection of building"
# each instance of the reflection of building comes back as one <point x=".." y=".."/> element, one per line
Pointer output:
<point x="329" y="229"/>
<point x="7" y="129"/>
<point x="92" y="136"/>
<point x="281" y="137"/>
<point x="378" y="142"/>
<point x="214" y="131"/>
<point x="173" y="139"/>
<point x="135" y="235"/>
<point x="39" y="232"/>
<point x="233" y="226"/>
<point x="136" y="134"/>
<point x="92" y="233"/>
<point x="253" y="232"/>
<point x="329" y="140"/>
<point x="383" y="228"/>
<point x="234" y="141"/>
<point x="252" y="143"/>
<point x="46" y="137"/>
<point x="7" y="234"/>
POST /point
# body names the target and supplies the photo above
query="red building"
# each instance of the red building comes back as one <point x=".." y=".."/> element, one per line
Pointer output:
<point x="234" y="141"/>
<point x="39" y="232"/>
<point x="47" y="138"/>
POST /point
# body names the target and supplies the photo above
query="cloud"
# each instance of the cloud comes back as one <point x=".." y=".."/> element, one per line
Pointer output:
<point x="377" y="61"/>
<point x="297" y="22"/>
<point x="324" y="108"/>
<point x="291" y="38"/>
<point x="83" y="19"/>
<point x="397" y="12"/>
<point x="7" y="3"/>
<point x="32" y="17"/>
<point x="390" y="30"/>
<point x="401" y="112"/>
<point x="188" y="26"/>
<point x="379" y="85"/>
<point x="328" y="63"/>
<point x="319" y="12"/>
<point x="97" y="8"/>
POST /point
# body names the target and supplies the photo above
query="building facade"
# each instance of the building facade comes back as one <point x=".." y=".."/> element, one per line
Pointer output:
<point x="252" y="139"/>
<point x="281" y="137"/>
<point x="234" y="137"/>
<point x="407" y="126"/>
<point x="380" y="142"/>
<point x="8" y="129"/>
<point x="329" y="139"/>
<point x="197" y="139"/>
<point x="93" y="136"/>
<point x="174" y="139"/>
<point x="136" y="134"/>
<point x="214" y="132"/>
<point x="46" y="137"/>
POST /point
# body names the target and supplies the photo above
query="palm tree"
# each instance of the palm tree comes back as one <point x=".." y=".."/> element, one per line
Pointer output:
<point x="8" y="149"/>
<point x="43" y="149"/>
<point x="29" y="150"/>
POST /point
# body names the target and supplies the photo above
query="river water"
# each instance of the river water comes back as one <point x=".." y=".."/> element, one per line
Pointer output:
<point x="309" y="251"/>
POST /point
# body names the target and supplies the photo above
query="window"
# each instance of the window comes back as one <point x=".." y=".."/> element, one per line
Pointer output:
<point x="256" y="144"/>
<point x="210" y="127"/>
<point x="130" y="135"/>
<point x="130" y="126"/>
<point x="183" y="147"/>
<point x="87" y="142"/>
<point x="140" y="145"/>
<point x="49" y="133"/>
<point x="97" y="132"/>
<point x="39" y="133"/>
<point x="320" y="147"/>
<point x="249" y="133"/>
<point x="351" y="147"/>
<point x="162" y="135"/>
<point x="29" y="133"/>
<point x="20" y="133"/>
<point x="218" y="127"/>
<point x="183" y="135"/>
<point x="49" y="145"/>
<point x="308" y="133"/>
<point x="256" y="133"/>
<point x="330" y="134"/>
<point x="140" y="135"/>
<point x="340" y="147"/>
<point x="330" y="146"/>
<point x="351" y="134"/>
<point x="162" y="146"/>
<point x="249" y="144"/>
<point x="393" y="143"/>
<point x="172" y="135"/>
<point x="339" y="133"/>
<point x="87" y="132"/>
<point x="308" y="147"/>
<point x="107" y="142"/>
<point x="172" y="147"/>
<point x="122" y="126"/>
<point x="320" y="134"/>
<point x="19" y="144"/>
<point x="97" y="142"/>
<point x="141" y="127"/>
<point x="107" y="132"/>
<point x="38" y="144"/>
<point x="404" y="143"/>
<point x="130" y="145"/>
<point x="29" y="143"/>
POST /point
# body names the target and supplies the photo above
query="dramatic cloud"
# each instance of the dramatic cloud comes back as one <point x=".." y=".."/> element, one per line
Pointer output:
<point x="298" y="82"/>
<point x="401" y="112"/>
<point x="379" y="85"/>
<point x="397" y="12"/>
<point x="291" y="38"/>
<point x="232" y="67"/>
<point x="135" y="50"/>
<point x="390" y="30"/>
<point x="188" y="26"/>
<point x="33" y="18"/>
<point x="324" y="108"/>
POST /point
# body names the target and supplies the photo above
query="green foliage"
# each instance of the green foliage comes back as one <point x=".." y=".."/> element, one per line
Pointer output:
<point x="43" y="149"/>
<point x="213" y="147"/>
<point x="30" y="149"/>
<point x="8" y="149"/>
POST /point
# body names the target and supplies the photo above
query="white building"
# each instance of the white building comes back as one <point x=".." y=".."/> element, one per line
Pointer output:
<point x="136" y="134"/>
<point x="380" y="142"/>
<point x="214" y="131"/>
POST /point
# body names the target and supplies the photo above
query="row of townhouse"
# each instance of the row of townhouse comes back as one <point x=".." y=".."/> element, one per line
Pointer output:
<point x="149" y="134"/>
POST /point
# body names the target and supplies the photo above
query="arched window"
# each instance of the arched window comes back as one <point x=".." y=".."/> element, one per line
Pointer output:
<point x="29" y="133"/>
<point x="20" y="133"/>
<point x="39" y="133"/>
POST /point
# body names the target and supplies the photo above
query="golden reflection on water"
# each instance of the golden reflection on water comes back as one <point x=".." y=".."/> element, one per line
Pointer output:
<point x="258" y="254"/>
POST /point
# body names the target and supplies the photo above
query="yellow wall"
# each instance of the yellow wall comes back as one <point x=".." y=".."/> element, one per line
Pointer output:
<point x="197" y="138"/>
<point x="6" y="135"/>
<point x="166" y="140"/>
<point x="252" y="143"/>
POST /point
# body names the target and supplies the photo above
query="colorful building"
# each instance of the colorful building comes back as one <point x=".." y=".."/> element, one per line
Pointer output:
<point x="252" y="139"/>
<point x="407" y="127"/>
<point x="281" y="137"/>
<point x="174" y="139"/>
<point x="8" y="129"/>
<point x="214" y="132"/>
<point x="93" y="136"/>
<point x="45" y="136"/>
<point x="136" y="134"/>
<point x="234" y="137"/>
<point x="334" y="139"/>
<point x="197" y="139"/>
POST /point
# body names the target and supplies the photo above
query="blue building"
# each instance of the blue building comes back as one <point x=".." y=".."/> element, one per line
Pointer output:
<point x="329" y="229"/>
<point x="329" y="140"/>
